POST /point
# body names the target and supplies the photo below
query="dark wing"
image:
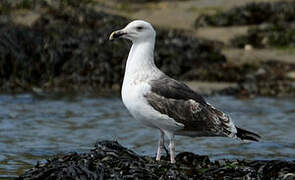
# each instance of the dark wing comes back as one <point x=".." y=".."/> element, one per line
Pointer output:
<point x="185" y="106"/>
<point x="172" y="89"/>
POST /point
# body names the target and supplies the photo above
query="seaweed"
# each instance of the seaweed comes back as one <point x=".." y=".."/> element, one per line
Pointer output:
<point x="251" y="14"/>
<point x="110" y="160"/>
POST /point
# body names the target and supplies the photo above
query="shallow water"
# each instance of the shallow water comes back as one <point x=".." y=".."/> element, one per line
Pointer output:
<point x="35" y="127"/>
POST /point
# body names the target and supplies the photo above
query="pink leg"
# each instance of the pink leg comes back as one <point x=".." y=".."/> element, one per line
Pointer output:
<point x="160" y="146"/>
<point x="172" y="149"/>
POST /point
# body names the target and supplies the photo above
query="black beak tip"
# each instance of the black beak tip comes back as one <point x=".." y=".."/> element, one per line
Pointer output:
<point x="116" y="35"/>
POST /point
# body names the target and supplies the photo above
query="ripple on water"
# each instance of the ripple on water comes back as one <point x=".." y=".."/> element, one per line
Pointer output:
<point x="33" y="128"/>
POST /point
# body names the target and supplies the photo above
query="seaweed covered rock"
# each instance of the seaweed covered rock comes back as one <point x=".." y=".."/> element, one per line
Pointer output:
<point x="67" y="48"/>
<point x="270" y="78"/>
<point x="267" y="35"/>
<point x="177" y="54"/>
<point x="251" y="13"/>
<point x="109" y="160"/>
<point x="270" y="70"/>
<point x="275" y="19"/>
<point x="283" y="88"/>
<point x="64" y="48"/>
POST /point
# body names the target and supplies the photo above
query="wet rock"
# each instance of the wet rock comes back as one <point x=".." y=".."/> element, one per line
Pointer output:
<point x="267" y="79"/>
<point x="271" y="78"/>
<point x="278" y="88"/>
<point x="250" y="14"/>
<point x="177" y="54"/>
<point x="109" y="160"/>
<point x="267" y="35"/>
<point x="267" y="88"/>
<point x="275" y="19"/>
<point x="67" y="48"/>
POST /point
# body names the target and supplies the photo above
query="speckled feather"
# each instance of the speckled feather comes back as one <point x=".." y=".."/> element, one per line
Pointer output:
<point x="185" y="106"/>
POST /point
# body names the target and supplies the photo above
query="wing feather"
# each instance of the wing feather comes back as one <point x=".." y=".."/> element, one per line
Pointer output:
<point x="170" y="88"/>
<point x="185" y="106"/>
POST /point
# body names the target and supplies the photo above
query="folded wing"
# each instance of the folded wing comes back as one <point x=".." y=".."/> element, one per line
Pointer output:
<point x="185" y="106"/>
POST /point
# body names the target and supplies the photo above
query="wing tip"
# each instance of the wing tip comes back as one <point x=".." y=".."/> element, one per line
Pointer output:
<point x="247" y="135"/>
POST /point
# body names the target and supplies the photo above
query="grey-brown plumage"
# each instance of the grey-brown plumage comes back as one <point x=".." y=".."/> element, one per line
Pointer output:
<point x="185" y="106"/>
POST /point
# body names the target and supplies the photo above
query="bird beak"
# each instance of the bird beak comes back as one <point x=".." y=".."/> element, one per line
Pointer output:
<point x="117" y="34"/>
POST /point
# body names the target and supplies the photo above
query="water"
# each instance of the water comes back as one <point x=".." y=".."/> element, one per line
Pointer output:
<point x="33" y="128"/>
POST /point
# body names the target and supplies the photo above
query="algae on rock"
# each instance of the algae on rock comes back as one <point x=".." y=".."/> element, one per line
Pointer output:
<point x="110" y="160"/>
<point x="67" y="48"/>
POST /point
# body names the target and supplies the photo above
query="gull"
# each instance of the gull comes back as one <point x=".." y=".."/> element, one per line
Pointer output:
<point x="160" y="102"/>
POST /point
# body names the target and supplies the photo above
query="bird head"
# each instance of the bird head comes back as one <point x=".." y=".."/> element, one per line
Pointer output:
<point x="135" y="31"/>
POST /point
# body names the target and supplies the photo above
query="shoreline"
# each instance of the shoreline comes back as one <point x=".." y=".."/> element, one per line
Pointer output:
<point x="41" y="55"/>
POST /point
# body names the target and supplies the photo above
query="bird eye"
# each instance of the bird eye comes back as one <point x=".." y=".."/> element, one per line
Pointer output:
<point x="139" y="28"/>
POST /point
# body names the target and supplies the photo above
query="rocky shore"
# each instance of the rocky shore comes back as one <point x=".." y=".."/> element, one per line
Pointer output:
<point x="110" y="160"/>
<point x="281" y="35"/>
<point x="65" y="51"/>
<point x="251" y="14"/>
<point x="270" y="25"/>
<point x="52" y="46"/>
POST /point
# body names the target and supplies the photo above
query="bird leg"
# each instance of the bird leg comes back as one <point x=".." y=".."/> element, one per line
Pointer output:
<point x="172" y="149"/>
<point x="160" y="145"/>
<point x="166" y="151"/>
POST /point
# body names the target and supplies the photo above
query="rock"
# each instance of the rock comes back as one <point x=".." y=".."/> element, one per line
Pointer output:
<point x="250" y="14"/>
<point x="267" y="79"/>
<point x="67" y="48"/>
<point x="275" y="19"/>
<point x="279" y="88"/>
<point x="110" y="160"/>
<point x="272" y="35"/>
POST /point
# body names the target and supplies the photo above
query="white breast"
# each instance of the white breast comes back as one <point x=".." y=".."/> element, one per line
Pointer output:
<point x="140" y="70"/>
<point x="133" y="98"/>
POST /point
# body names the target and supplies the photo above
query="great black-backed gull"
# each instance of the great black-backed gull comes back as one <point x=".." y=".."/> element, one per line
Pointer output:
<point x="163" y="103"/>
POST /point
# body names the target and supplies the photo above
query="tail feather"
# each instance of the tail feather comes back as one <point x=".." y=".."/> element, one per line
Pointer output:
<point x="247" y="135"/>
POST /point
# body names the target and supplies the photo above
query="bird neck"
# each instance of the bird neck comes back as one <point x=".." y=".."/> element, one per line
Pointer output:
<point x="141" y="58"/>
